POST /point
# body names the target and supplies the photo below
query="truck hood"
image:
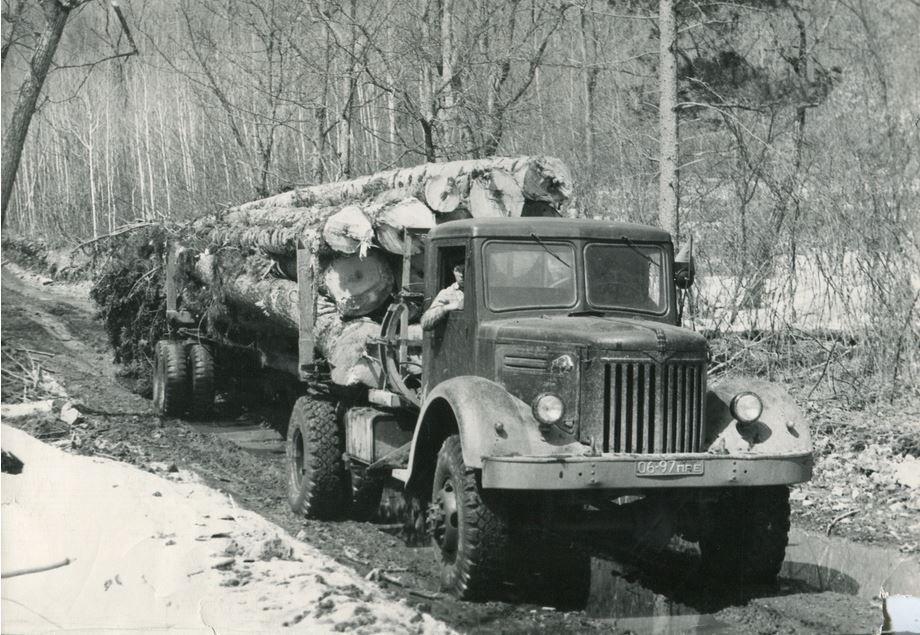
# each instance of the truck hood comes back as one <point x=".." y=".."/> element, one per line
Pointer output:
<point x="608" y="333"/>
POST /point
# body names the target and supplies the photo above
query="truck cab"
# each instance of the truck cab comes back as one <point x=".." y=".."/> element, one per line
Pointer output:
<point x="554" y="400"/>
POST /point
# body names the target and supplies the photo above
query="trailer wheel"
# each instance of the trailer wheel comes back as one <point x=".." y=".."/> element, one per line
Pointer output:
<point x="318" y="482"/>
<point x="201" y="374"/>
<point x="170" y="378"/>
<point x="470" y="532"/>
<point x="747" y="540"/>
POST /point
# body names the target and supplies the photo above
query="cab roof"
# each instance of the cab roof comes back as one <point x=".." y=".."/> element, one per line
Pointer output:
<point x="548" y="228"/>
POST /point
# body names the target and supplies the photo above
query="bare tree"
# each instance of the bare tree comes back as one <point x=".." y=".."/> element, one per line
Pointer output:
<point x="668" y="194"/>
<point x="56" y="14"/>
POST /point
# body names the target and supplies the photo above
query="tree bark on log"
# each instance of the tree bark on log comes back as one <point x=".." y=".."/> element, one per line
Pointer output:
<point x="540" y="177"/>
<point x="274" y="298"/>
<point x="275" y="231"/>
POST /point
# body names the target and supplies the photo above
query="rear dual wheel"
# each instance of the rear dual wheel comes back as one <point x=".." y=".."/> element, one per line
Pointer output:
<point x="183" y="379"/>
<point x="170" y="378"/>
<point x="201" y="381"/>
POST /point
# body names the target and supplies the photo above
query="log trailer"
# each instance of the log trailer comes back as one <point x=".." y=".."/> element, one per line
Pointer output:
<point x="564" y="398"/>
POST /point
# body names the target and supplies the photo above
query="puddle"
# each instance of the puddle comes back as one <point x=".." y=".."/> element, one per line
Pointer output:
<point x="834" y="564"/>
<point x="668" y="593"/>
<point x="250" y="437"/>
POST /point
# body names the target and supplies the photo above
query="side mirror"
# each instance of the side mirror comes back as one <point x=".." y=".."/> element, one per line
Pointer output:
<point x="684" y="270"/>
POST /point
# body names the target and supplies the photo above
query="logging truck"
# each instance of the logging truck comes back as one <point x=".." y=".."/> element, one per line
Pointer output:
<point x="563" y="400"/>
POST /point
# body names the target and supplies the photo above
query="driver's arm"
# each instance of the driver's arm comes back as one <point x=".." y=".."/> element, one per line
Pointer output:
<point x="444" y="303"/>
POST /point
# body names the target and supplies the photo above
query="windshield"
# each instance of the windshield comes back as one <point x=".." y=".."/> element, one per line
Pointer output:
<point x="529" y="275"/>
<point x="626" y="277"/>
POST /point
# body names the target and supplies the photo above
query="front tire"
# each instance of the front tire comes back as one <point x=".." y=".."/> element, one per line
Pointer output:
<point x="319" y="486"/>
<point x="746" y="542"/>
<point x="170" y="378"/>
<point x="470" y="532"/>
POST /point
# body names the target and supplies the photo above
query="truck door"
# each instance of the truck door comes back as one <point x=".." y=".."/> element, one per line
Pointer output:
<point x="448" y="347"/>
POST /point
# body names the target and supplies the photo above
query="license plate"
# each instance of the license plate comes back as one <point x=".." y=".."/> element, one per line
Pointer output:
<point x="669" y="467"/>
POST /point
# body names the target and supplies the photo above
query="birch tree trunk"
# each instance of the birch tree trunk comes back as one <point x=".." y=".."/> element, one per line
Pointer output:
<point x="56" y="13"/>
<point x="668" y="199"/>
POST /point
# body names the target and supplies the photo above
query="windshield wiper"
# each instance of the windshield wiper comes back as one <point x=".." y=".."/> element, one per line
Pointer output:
<point x="547" y="250"/>
<point x="633" y="246"/>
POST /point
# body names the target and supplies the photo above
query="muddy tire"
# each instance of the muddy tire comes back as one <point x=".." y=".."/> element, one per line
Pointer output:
<point x="170" y="379"/>
<point x="746" y="542"/>
<point x="318" y="483"/>
<point x="470" y="533"/>
<point x="201" y="381"/>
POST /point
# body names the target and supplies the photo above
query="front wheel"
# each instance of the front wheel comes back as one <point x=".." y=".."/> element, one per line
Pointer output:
<point x="746" y="542"/>
<point x="470" y="531"/>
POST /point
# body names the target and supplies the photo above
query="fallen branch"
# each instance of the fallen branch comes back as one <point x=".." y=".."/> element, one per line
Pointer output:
<point x="428" y="595"/>
<point x="38" y="569"/>
<point x="35" y="352"/>
<point x="124" y="229"/>
<point x="834" y="522"/>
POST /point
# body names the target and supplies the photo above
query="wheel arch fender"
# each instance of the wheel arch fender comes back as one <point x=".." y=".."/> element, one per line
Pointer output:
<point x="781" y="429"/>
<point x="489" y="420"/>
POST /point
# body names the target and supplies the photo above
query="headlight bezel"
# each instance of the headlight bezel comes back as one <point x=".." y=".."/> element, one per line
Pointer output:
<point x="545" y="407"/>
<point x="744" y="410"/>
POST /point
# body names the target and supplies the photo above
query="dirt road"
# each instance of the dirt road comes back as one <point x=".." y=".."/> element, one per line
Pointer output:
<point x="826" y="585"/>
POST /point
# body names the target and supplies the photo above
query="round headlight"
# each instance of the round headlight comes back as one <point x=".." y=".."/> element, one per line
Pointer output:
<point x="548" y="409"/>
<point x="746" y="407"/>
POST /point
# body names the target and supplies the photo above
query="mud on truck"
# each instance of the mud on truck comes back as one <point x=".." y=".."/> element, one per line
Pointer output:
<point x="563" y="399"/>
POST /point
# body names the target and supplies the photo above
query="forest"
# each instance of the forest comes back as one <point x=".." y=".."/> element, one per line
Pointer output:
<point x="798" y="127"/>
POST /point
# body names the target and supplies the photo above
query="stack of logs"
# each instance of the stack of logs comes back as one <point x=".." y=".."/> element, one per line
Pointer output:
<point x="351" y="228"/>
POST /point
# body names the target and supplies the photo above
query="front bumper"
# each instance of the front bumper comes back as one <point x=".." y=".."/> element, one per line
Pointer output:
<point x="643" y="471"/>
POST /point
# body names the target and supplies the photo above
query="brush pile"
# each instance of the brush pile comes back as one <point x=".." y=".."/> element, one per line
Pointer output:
<point x="238" y="268"/>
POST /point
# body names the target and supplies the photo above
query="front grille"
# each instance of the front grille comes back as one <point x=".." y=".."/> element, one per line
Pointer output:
<point x="653" y="408"/>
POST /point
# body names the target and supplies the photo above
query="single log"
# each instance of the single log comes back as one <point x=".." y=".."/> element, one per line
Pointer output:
<point x="544" y="179"/>
<point x="344" y="344"/>
<point x="390" y="221"/>
<point x="495" y="193"/>
<point x="274" y="298"/>
<point x="358" y="285"/>
<point x="442" y="193"/>
<point x="349" y="231"/>
<point x="349" y="363"/>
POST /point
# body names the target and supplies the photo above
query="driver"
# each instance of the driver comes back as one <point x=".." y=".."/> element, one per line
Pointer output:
<point x="448" y="299"/>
